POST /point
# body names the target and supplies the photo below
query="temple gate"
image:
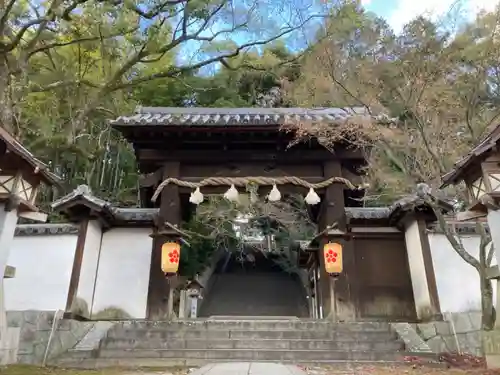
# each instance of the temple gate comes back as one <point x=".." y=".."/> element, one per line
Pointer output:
<point x="180" y="149"/>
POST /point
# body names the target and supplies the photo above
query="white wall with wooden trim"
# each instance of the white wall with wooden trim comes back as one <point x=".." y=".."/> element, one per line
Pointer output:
<point x="44" y="262"/>
<point x="457" y="281"/>
<point x="123" y="273"/>
<point x="115" y="285"/>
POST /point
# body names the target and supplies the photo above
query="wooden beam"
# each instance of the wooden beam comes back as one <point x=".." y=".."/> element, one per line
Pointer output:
<point x="151" y="179"/>
<point x="375" y="230"/>
<point x="216" y="156"/>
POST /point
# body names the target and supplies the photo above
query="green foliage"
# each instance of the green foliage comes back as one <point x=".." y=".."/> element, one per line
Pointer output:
<point x="67" y="68"/>
<point x="219" y="225"/>
<point x="196" y="256"/>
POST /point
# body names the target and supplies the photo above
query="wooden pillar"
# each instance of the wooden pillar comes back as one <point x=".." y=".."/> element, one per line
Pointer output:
<point x="77" y="267"/>
<point x="421" y="267"/>
<point x="170" y="210"/>
<point x="333" y="211"/>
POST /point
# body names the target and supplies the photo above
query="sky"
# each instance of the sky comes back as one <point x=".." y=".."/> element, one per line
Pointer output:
<point x="398" y="12"/>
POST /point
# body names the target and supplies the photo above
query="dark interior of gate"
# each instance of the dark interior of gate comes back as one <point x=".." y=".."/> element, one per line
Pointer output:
<point x="259" y="287"/>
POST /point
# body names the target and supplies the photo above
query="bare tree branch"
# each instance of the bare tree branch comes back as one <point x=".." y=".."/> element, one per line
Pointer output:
<point x="5" y="17"/>
<point x="174" y="72"/>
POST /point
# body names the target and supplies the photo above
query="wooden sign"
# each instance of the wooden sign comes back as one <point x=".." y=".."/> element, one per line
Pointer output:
<point x="170" y="255"/>
<point x="332" y="253"/>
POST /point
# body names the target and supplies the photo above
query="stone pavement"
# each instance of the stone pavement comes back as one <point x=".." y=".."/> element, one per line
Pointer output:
<point x="248" y="368"/>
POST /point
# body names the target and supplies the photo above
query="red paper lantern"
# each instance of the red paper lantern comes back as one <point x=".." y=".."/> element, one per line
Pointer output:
<point x="332" y="253"/>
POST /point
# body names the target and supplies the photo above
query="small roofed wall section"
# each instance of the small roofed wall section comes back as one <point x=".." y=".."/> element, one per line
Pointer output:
<point x="114" y="284"/>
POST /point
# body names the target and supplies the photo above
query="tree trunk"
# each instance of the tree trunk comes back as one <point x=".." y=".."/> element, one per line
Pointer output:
<point x="5" y="102"/>
<point x="488" y="311"/>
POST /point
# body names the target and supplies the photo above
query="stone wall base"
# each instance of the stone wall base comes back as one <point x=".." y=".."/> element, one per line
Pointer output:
<point x="33" y="330"/>
<point x="458" y="333"/>
<point x="9" y="344"/>
<point x="491" y="343"/>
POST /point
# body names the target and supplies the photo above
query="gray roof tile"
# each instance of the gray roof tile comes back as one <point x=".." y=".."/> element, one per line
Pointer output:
<point x="45" y="229"/>
<point x="81" y="192"/>
<point x="134" y="214"/>
<point x="367" y="213"/>
<point x="190" y="116"/>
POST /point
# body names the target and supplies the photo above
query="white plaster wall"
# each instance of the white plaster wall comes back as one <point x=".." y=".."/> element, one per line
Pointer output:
<point x="457" y="281"/>
<point x="123" y="271"/>
<point x="43" y="271"/>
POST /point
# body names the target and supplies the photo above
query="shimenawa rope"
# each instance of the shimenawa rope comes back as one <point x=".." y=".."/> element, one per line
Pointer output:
<point x="243" y="181"/>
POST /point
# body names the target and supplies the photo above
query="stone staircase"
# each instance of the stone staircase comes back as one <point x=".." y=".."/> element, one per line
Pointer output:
<point x="197" y="342"/>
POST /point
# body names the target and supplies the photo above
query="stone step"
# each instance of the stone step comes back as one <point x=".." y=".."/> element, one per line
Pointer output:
<point x="278" y="325"/>
<point x="164" y="334"/>
<point x="386" y="345"/>
<point x="254" y="354"/>
<point x="97" y="363"/>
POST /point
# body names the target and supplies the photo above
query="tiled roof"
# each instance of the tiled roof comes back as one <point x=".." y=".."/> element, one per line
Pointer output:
<point x="192" y="116"/>
<point x="417" y="201"/>
<point x="367" y="213"/>
<point x="461" y="228"/>
<point x="17" y="148"/>
<point x="139" y="214"/>
<point x="134" y="214"/>
<point x="394" y="212"/>
<point x="82" y="192"/>
<point x="477" y="154"/>
<point x="82" y="197"/>
<point x="45" y="229"/>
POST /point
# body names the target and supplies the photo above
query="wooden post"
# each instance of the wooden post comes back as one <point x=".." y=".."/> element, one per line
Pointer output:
<point x="77" y="266"/>
<point x="333" y="211"/>
<point x="170" y="210"/>
<point x="333" y="300"/>
<point x="182" y="305"/>
<point x="170" y="302"/>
